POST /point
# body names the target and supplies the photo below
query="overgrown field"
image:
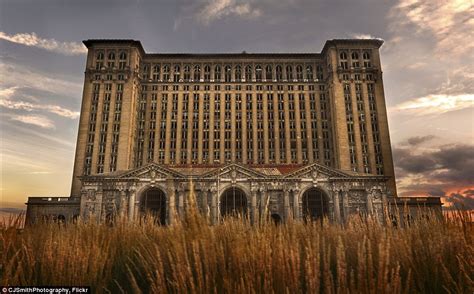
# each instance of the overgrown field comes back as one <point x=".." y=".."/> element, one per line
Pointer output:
<point x="429" y="256"/>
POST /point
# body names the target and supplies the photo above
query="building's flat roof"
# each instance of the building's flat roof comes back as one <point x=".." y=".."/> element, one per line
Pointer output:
<point x="333" y="42"/>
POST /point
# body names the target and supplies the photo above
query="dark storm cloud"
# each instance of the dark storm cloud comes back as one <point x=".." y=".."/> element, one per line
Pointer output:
<point x="436" y="172"/>
<point x="459" y="162"/>
<point x="410" y="163"/>
<point x="463" y="200"/>
<point x="431" y="189"/>
<point x="451" y="163"/>
<point x="419" y="139"/>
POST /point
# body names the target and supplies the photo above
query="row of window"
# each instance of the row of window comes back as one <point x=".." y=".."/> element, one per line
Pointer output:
<point x="196" y="127"/>
<point x="362" y="128"/>
<point x="230" y="87"/>
<point x="363" y="125"/>
<point x="350" y="125"/>
<point x="355" y="59"/>
<point x="112" y="61"/>
<point x="103" y="130"/>
<point x="375" y="129"/>
<point x="229" y="73"/>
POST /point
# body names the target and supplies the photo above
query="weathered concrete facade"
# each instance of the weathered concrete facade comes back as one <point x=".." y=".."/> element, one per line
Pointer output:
<point x="289" y="135"/>
<point x="267" y="192"/>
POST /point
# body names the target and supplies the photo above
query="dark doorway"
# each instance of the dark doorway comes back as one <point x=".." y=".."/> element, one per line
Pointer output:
<point x="61" y="219"/>
<point x="276" y="218"/>
<point x="154" y="203"/>
<point x="315" y="204"/>
<point x="233" y="203"/>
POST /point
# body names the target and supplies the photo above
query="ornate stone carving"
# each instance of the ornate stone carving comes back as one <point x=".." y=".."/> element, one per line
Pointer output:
<point x="90" y="196"/>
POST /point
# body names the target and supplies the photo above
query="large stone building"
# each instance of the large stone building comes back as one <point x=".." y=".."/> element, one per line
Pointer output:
<point x="283" y="135"/>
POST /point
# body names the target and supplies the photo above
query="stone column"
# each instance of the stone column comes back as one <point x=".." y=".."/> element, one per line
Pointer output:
<point x="385" y="207"/>
<point x="214" y="216"/>
<point x="345" y="203"/>
<point x="263" y="204"/>
<point x="180" y="203"/>
<point x="286" y="203"/>
<point x="253" y="206"/>
<point x="83" y="206"/>
<point x="208" y="205"/>
<point x="337" y="209"/>
<point x="204" y="204"/>
<point x="342" y="211"/>
<point x="122" y="208"/>
<point x="370" y="208"/>
<point x="296" y="205"/>
<point x="172" y="207"/>
<point x="131" y="206"/>
<point x="136" y="209"/>
<point x="98" y="204"/>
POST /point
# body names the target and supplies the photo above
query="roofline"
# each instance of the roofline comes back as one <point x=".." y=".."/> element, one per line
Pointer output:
<point x="233" y="55"/>
<point x="89" y="42"/>
<point x="376" y="42"/>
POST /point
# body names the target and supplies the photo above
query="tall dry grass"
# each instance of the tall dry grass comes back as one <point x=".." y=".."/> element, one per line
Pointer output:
<point x="429" y="256"/>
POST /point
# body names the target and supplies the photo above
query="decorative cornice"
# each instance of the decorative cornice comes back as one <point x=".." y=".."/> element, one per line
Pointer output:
<point x="377" y="43"/>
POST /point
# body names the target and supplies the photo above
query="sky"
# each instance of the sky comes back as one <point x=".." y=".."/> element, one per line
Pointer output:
<point x="427" y="63"/>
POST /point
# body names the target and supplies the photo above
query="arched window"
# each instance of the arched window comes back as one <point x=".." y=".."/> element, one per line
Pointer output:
<point x="111" y="59"/>
<point x="228" y="73"/>
<point x="343" y="60"/>
<point x="156" y="72"/>
<point x="289" y="72"/>
<point x="309" y="72"/>
<point x="355" y="59"/>
<point x="366" y="56"/>
<point x="279" y="73"/>
<point x="153" y="201"/>
<point x="269" y="73"/>
<point x="217" y="73"/>
<point x="207" y="73"/>
<point x="258" y="73"/>
<point x="315" y="204"/>
<point x="166" y="73"/>
<point x="176" y="73"/>
<point x="187" y="73"/>
<point x="299" y="73"/>
<point x="197" y="73"/>
<point x="319" y="72"/>
<point x="99" y="61"/>
<point x="233" y="203"/>
<point x="238" y="73"/>
<point x="123" y="60"/>
<point x="146" y="72"/>
<point x="248" y="73"/>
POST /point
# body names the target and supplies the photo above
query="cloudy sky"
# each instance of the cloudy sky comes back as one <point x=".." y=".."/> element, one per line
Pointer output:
<point x="427" y="59"/>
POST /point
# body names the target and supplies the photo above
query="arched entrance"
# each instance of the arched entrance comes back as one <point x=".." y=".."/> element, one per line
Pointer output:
<point x="276" y="218"/>
<point x="315" y="204"/>
<point x="233" y="203"/>
<point x="153" y="201"/>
